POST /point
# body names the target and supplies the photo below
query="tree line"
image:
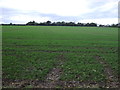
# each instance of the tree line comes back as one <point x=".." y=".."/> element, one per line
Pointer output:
<point x="49" y="23"/>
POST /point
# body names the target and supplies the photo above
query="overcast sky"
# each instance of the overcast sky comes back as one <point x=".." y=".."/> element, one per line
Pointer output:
<point x="23" y="11"/>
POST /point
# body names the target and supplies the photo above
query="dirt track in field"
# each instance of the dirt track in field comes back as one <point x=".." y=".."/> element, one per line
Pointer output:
<point x="52" y="78"/>
<point x="112" y="80"/>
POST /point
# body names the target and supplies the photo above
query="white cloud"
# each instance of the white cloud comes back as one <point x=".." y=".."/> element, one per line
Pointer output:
<point x="59" y="7"/>
<point x="25" y="18"/>
<point x="108" y="6"/>
<point x="63" y="8"/>
<point x="104" y="21"/>
<point x="1" y="19"/>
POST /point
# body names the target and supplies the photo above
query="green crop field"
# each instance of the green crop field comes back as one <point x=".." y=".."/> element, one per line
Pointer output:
<point x="59" y="56"/>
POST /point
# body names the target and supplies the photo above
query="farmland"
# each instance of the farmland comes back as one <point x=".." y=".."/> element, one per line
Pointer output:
<point x="59" y="56"/>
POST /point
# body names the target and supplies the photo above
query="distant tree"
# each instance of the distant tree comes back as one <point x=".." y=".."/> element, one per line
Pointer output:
<point x="114" y="25"/>
<point x="118" y="24"/>
<point x="42" y="23"/>
<point x="10" y="23"/>
<point x="92" y="24"/>
<point x="63" y="23"/>
<point x="53" y="24"/>
<point x="58" y="23"/>
<point x="101" y="25"/>
<point x="32" y="23"/>
<point x="87" y="24"/>
<point x="80" y="24"/>
<point x="70" y="24"/>
<point x="48" y="22"/>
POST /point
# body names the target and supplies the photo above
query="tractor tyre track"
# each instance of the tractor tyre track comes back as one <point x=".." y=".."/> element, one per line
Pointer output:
<point x="112" y="80"/>
<point x="52" y="79"/>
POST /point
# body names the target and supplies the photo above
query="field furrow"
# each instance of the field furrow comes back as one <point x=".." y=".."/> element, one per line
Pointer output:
<point x="57" y="57"/>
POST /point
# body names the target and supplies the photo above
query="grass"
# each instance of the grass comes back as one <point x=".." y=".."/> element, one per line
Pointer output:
<point x="30" y="52"/>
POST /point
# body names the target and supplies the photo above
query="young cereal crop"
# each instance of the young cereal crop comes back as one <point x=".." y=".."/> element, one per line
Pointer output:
<point x="59" y="56"/>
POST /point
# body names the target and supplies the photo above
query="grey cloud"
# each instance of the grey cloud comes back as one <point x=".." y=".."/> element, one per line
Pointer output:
<point x="97" y="14"/>
<point x="55" y="17"/>
<point x="96" y="3"/>
<point x="7" y="13"/>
